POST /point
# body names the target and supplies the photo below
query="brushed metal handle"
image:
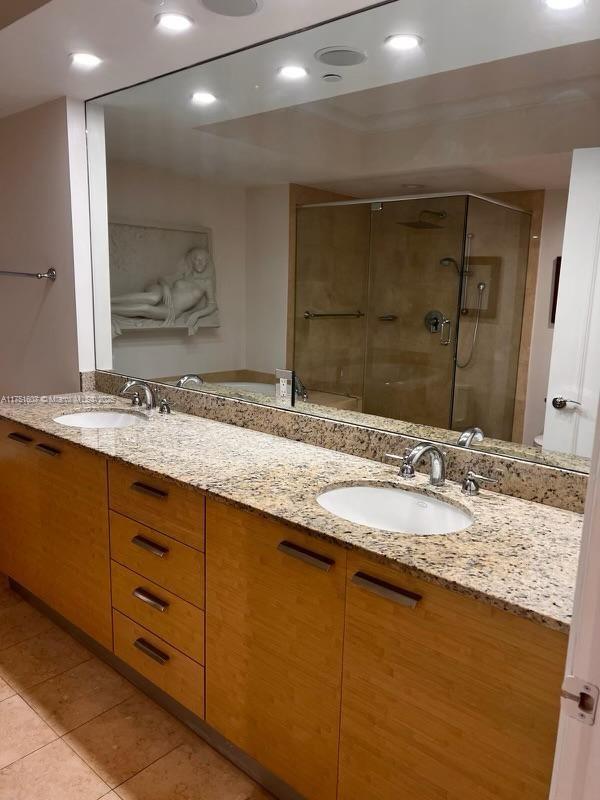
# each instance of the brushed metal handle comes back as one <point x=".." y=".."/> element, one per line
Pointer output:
<point x="150" y="599"/>
<point x="20" y="437"/>
<point x="152" y="652"/>
<point x="384" y="589"/>
<point x="46" y="448"/>
<point x="314" y="559"/>
<point x="149" y="546"/>
<point x="152" y="491"/>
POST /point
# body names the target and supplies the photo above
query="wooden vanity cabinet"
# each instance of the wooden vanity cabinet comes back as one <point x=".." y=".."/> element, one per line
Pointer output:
<point x="444" y="697"/>
<point x="274" y="636"/>
<point x="54" y="526"/>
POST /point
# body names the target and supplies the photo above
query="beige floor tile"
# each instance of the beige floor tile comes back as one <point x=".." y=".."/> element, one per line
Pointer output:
<point x="192" y="772"/>
<point x="52" y="773"/>
<point x="19" y="622"/>
<point x="21" y="730"/>
<point x="126" y="739"/>
<point x="35" y="660"/>
<point x="69" y="700"/>
<point x="5" y="690"/>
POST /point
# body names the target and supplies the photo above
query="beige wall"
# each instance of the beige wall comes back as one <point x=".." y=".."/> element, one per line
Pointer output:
<point x="267" y="255"/>
<point x="38" y="327"/>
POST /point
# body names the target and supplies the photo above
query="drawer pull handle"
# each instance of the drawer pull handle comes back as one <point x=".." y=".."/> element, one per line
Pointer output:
<point x="314" y="559"/>
<point x="387" y="590"/>
<point x="149" y="650"/>
<point x="20" y="437"/>
<point x="143" y="488"/>
<point x="150" y="599"/>
<point x="50" y="451"/>
<point x="151" y="547"/>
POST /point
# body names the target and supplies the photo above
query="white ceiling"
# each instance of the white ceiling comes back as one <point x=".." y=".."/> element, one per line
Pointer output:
<point x="34" y="65"/>
<point x="497" y="126"/>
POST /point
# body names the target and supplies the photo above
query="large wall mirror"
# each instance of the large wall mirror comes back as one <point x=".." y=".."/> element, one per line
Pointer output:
<point x="407" y="223"/>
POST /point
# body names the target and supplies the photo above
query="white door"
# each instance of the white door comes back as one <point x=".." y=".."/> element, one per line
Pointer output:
<point x="575" y="364"/>
<point x="577" y="763"/>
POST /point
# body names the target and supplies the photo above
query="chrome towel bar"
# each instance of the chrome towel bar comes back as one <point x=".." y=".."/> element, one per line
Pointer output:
<point x="318" y="315"/>
<point x="50" y="274"/>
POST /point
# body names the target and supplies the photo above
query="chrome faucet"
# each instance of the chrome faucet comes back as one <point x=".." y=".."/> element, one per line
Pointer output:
<point x="469" y="436"/>
<point x="185" y="379"/>
<point x="437" y="462"/>
<point x="137" y="386"/>
<point x="300" y="389"/>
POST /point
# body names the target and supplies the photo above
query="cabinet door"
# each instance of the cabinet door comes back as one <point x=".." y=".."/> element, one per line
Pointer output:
<point x="54" y="528"/>
<point x="17" y="503"/>
<point x="444" y="697"/>
<point x="274" y="628"/>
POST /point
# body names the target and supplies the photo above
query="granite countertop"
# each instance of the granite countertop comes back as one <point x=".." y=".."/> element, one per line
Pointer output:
<point x="517" y="555"/>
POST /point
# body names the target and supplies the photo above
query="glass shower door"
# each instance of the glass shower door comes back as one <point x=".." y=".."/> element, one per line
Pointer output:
<point x="414" y="287"/>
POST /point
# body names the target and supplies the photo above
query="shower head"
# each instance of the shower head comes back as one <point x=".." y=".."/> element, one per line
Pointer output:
<point x="423" y="224"/>
<point x="449" y="262"/>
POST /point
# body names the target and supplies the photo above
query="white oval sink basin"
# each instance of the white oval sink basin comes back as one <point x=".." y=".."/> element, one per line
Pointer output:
<point x="101" y="419"/>
<point x="387" y="508"/>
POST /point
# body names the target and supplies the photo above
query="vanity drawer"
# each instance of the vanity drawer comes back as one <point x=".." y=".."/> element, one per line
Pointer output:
<point x="167" y="562"/>
<point x="169" y="507"/>
<point x="168" y="616"/>
<point x="163" y="665"/>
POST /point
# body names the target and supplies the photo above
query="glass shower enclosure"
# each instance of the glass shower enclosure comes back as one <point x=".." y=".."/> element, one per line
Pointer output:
<point x="412" y="309"/>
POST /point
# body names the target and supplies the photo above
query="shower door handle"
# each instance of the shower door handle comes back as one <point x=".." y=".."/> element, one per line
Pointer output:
<point x="446" y="332"/>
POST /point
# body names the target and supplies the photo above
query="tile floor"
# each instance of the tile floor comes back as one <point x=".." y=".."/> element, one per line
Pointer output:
<point x="71" y="728"/>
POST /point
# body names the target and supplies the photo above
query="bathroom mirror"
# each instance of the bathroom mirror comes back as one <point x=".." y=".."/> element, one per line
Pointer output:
<point x="384" y="217"/>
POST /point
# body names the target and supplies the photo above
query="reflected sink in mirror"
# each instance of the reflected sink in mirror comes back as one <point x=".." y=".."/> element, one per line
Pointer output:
<point x="102" y="419"/>
<point x="395" y="510"/>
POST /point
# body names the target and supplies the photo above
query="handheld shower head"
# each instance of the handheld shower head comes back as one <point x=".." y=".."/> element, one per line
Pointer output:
<point x="449" y="261"/>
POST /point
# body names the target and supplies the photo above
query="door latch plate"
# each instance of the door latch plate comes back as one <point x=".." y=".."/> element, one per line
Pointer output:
<point x="582" y="699"/>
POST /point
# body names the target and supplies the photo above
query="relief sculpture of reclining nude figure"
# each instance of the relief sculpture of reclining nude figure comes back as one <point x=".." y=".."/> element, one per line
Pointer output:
<point x="183" y="299"/>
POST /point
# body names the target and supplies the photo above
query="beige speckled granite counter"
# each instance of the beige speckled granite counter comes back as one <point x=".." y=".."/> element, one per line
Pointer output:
<point x="517" y="555"/>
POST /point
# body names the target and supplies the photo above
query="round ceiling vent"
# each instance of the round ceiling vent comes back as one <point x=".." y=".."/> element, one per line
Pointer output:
<point x="331" y="77"/>
<point x="232" y="8"/>
<point x="340" y="56"/>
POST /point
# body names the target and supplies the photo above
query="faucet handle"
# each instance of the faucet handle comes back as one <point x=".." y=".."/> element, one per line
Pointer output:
<point x="136" y="400"/>
<point x="470" y="484"/>
<point x="163" y="406"/>
<point x="406" y="469"/>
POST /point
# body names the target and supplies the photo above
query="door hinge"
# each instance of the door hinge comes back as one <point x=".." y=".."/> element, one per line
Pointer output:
<point x="582" y="699"/>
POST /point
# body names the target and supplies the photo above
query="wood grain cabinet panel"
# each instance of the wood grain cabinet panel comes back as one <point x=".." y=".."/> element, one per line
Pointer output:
<point x="168" y="616"/>
<point x="159" y="662"/>
<point x="275" y="611"/>
<point x="444" y="698"/>
<point x="54" y="526"/>
<point x="169" y="563"/>
<point x="170" y="507"/>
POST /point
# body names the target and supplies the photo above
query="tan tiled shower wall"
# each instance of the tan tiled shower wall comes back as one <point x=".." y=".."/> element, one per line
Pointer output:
<point x="552" y="486"/>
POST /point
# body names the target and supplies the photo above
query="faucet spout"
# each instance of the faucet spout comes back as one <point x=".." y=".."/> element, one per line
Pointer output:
<point x="132" y="387"/>
<point x="437" y="462"/>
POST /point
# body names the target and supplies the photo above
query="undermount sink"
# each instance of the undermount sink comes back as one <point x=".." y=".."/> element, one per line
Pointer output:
<point x="394" y="510"/>
<point x="101" y="419"/>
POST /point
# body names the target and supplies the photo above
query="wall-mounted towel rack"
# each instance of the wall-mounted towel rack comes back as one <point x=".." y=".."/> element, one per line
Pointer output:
<point x="318" y="315"/>
<point x="50" y="274"/>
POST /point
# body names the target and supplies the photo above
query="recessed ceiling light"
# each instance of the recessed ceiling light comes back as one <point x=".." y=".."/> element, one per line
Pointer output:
<point x="293" y="72"/>
<point x="340" y="56"/>
<point x="331" y="77"/>
<point x="403" y="41"/>
<point x="85" y="60"/>
<point x="232" y="8"/>
<point x="173" y="23"/>
<point x="203" y="98"/>
<point x="563" y="5"/>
